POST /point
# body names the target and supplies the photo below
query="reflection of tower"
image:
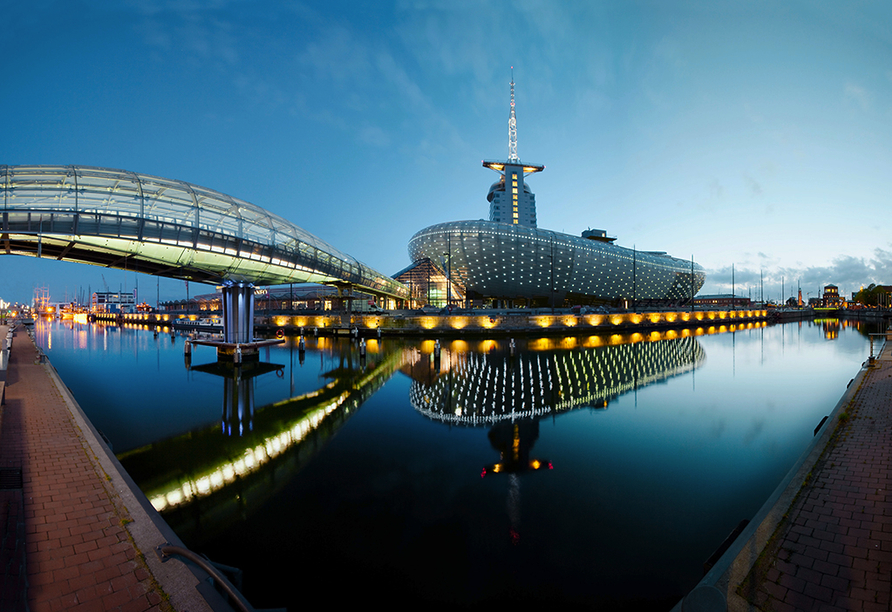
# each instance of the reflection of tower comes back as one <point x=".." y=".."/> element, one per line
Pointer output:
<point x="238" y="404"/>
<point x="238" y="391"/>
<point x="514" y="440"/>
<point x="510" y="199"/>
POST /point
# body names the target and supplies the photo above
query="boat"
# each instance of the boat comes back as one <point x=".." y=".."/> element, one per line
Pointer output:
<point x="202" y="324"/>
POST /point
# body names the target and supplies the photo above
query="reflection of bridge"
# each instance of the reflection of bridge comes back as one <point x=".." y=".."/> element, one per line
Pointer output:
<point x="483" y="389"/>
<point x="205" y="472"/>
<point x="170" y="228"/>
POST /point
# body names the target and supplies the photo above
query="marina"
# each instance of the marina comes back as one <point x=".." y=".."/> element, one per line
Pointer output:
<point x="622" y="482"/>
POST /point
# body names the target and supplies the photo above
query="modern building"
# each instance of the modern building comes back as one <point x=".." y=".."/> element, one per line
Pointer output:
<point x="117" y="302"/>
<point x="509" y="261"/>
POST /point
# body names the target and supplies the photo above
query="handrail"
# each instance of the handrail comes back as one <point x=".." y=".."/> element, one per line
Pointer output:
<point x="166" y="550"/>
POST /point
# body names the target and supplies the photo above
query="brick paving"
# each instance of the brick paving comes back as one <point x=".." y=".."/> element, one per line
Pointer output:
<point x="64" y="541"/>
<point x="834" y="550"/>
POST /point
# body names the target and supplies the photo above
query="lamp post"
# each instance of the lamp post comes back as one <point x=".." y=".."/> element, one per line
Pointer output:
<point x="692" y="283"/>
<point x="552" y="272"/>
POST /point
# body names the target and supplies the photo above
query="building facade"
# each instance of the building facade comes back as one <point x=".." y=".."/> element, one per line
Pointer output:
<point x="117" y="302"/>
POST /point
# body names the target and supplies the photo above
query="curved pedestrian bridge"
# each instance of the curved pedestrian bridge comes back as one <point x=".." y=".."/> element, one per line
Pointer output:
<point x="165" y="227"/>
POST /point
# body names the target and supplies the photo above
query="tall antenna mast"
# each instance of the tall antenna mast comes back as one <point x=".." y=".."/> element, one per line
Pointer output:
<point x="512" y="126"/>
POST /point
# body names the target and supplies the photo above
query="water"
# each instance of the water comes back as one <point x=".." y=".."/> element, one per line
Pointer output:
<point x="601" y="470"/>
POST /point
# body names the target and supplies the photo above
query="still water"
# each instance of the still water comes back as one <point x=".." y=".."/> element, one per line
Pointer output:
<point x="601" y="470"/>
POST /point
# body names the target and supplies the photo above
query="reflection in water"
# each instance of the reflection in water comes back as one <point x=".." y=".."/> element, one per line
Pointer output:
<point x="473" y="389"/>
<point x="639" y="495"/>
<point x="482" y="389"/>
<point x="226" y="474"/>
<point x="238" y="390"/>
<point x="510" y="392"/>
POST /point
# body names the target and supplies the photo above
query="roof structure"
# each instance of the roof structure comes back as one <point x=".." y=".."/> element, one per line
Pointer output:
<point x="165" y="227"/>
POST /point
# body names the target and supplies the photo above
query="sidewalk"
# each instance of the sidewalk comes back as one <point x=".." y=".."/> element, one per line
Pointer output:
<point x="70" y="526"/>
<point x="825" y="542"/>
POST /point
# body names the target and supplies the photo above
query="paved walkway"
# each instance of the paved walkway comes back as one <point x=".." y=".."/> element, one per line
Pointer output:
<point x="835" y="550"/>
<point x="825" y="543"/>
<point x="66" y="541"/>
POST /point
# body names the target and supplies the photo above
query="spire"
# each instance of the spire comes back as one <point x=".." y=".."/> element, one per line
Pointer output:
<point x="512" y="126"/>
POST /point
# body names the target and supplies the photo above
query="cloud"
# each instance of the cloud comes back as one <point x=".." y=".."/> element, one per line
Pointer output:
<point x="847" y="272"/>
<point x="374" y="135"/>
<point x="754" y="188"/>
<point x="858" y="94"/>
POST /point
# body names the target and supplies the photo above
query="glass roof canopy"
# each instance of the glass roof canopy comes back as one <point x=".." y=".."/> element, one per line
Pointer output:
<point x="123" y="219"/>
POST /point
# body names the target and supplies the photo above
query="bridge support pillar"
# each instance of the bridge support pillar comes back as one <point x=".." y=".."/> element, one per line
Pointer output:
<point x="238" y="312"/>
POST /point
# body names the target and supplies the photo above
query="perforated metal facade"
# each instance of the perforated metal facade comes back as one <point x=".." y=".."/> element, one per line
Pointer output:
<point x="499" y="260"/>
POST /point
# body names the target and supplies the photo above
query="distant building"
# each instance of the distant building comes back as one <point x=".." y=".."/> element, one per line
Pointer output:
<point x="285" y="299"/>
<point x="113" y="302"/>
<point x="831" y="297"/>
<point x="725" y="300"/>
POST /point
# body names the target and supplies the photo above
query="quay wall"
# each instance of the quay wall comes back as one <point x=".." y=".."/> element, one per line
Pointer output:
<point x="472" y="323"/>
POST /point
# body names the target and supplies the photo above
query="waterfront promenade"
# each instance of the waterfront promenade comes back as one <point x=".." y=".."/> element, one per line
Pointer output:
<point x="824" y="540"/>
<point x="74" y="536"/>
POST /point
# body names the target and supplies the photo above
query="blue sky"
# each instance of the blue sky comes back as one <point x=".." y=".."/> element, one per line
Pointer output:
<point x="752" y="134"/>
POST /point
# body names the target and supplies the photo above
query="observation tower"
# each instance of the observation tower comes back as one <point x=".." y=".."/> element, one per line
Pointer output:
<point x="510" y="198"/>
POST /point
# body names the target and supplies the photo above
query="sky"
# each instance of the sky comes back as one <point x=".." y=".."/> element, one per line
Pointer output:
<point x="747" y="135"/>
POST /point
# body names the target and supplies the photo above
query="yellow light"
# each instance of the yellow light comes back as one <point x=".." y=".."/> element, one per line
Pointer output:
<point x="457" y="322"/>
<point x="487" y="322"/>
<point x="541" y="344"/>
<point x="459" y="346"/>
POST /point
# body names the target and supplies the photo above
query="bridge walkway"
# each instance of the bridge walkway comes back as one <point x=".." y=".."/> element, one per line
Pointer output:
<point x="72" y="536"/>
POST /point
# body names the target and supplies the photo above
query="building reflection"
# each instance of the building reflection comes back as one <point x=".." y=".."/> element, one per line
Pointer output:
<point x="509" y="390"/>
<point x="202" y="473"/>
<point x="481" y="389"/>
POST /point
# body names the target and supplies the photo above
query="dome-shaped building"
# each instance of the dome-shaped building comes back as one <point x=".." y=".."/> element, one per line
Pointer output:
<point x="508" y="259"/>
